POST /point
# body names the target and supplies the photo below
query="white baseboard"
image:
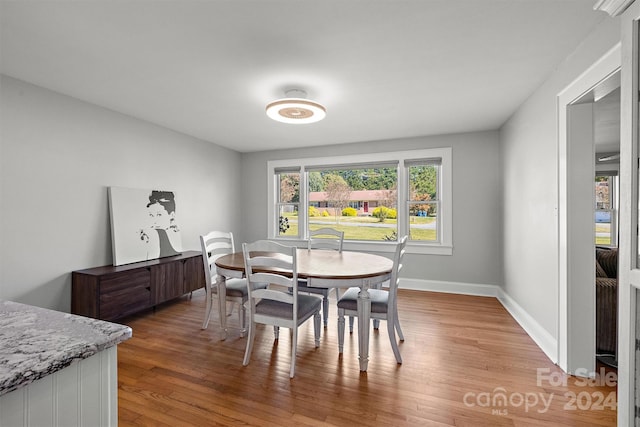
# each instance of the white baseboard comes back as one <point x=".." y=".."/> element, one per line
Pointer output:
<point x="547" y="343"/>
<point x="450" y="287"/>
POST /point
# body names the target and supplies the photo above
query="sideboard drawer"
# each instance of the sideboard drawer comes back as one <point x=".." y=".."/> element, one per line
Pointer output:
<point x="121" y="295"/>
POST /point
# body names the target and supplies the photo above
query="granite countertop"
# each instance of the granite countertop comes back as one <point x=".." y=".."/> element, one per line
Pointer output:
<point x="36" y="342"/>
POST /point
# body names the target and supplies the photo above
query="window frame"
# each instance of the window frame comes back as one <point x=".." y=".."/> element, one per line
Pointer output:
<point x="277" y="190"/>
<point x="613" y="209"/>
<point x="409" y="201"/>
<point x="444" y="245"/>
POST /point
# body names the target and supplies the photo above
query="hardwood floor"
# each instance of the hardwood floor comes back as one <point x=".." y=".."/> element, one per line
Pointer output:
<point x="466" y="363"/>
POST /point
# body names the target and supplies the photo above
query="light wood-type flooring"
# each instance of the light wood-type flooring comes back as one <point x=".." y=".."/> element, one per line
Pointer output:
<point x="466" y="362"/>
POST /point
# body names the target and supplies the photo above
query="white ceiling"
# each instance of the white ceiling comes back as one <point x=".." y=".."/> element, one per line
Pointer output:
<point x="384" y="69"/>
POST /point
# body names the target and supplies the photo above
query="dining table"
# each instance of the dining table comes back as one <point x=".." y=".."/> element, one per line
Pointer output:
<point x="323" y="269"/>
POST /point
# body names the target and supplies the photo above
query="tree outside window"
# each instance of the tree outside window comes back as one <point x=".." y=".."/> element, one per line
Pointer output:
<point x="338" y="194"/>
<point x="423" y="201"/>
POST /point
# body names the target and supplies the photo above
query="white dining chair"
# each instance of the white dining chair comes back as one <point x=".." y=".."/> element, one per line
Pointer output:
<point x="273" y="306"/>
<point x="384" y="304"/>
<point x="323" y="238"/>
<point x="214" y="245"/>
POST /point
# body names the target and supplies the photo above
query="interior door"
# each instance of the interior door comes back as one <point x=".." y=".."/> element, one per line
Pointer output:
<point x="629" y="262"/>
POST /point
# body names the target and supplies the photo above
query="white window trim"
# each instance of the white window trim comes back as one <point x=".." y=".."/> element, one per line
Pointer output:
<point x="444" y="247"/>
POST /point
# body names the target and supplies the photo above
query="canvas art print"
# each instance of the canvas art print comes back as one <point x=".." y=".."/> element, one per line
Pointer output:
<point x="143" y="224"/>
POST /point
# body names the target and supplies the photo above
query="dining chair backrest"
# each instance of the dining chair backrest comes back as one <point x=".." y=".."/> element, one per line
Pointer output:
<point x="267" y="255"/>
<point x="214" y="245"/>
<point x="325" y="238"/>
<point x="395" y="272"/>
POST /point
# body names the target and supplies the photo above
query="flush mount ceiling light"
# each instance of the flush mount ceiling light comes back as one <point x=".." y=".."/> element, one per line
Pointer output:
<point x="609" y="157"/>
<point x="296" y="109"/>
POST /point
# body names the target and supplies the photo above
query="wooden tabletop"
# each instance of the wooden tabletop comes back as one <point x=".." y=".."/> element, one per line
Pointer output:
<point x="325" y="264"/>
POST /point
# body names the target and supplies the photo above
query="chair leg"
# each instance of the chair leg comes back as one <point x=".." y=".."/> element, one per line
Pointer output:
<point x="316" y="328"/>
<point x="276" y="332"/>
<point x="242" y="319"/>
<point x="397" y="325"/>
<point x="351" y="324"/>
<point x="325" y="308"/>
<point x="376" y="322"/>
<point x="294" y="347"/>
<point x="249" y="348"/>
<point x="207" y="311"/>
<point x="392" y="339"/>
<point x="340" y="330"/>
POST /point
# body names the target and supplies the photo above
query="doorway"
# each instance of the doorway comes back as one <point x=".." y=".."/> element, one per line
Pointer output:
<point x="576" y="209"/>
<point x="605" y="103"/>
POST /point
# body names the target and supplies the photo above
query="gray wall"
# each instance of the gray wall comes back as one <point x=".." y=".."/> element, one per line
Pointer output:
<point x="529" y="153"/>
<point x="477" y="223"/>
<point x="58" y="155"/>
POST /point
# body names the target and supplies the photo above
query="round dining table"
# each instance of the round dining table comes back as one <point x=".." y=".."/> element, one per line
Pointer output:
<point x="323" y="269"/>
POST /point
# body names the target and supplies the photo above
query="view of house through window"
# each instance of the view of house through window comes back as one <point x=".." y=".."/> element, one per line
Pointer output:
<point x="362" y="202"/>
<point x="606" y="212"/>
<point x="373" y="198"/>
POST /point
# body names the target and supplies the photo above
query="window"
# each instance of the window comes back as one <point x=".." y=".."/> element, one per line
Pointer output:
<point x="359" y="200"/>
<point x="606" y="209"/>
<point x="373" y="198"/>
<point x="288" y="201"/>
<point x="423" y="203"/>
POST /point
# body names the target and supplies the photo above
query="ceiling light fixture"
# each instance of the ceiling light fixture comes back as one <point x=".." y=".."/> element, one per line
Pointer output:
<point x="609" y="157"/>
<point x="296" y="109"/>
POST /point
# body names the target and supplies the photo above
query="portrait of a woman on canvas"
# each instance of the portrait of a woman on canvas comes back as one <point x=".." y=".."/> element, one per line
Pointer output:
<point x="143" y="224"/>
<point x="162" y="233"/>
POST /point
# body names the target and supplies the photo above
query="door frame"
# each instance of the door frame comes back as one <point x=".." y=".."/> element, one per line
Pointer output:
<point x="629" y="272"/>
<point x="575" y="340"/>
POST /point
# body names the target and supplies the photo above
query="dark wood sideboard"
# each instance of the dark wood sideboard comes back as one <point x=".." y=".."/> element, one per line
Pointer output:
<point x="109" y="293"/>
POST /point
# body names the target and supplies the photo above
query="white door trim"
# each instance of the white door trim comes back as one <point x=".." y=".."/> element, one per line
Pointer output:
<point x="629" y="273"/>
<point x="569" y="354"/>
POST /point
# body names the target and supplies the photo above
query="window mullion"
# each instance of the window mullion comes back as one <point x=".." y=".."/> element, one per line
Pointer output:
<point x="402" y="195"/>
<point x="303" y="209"/>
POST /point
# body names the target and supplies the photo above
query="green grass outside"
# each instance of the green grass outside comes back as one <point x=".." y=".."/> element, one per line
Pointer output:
<point x="366" y="219"/>
<point x="362" y="232"/>
<point x="603" y="228"/>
